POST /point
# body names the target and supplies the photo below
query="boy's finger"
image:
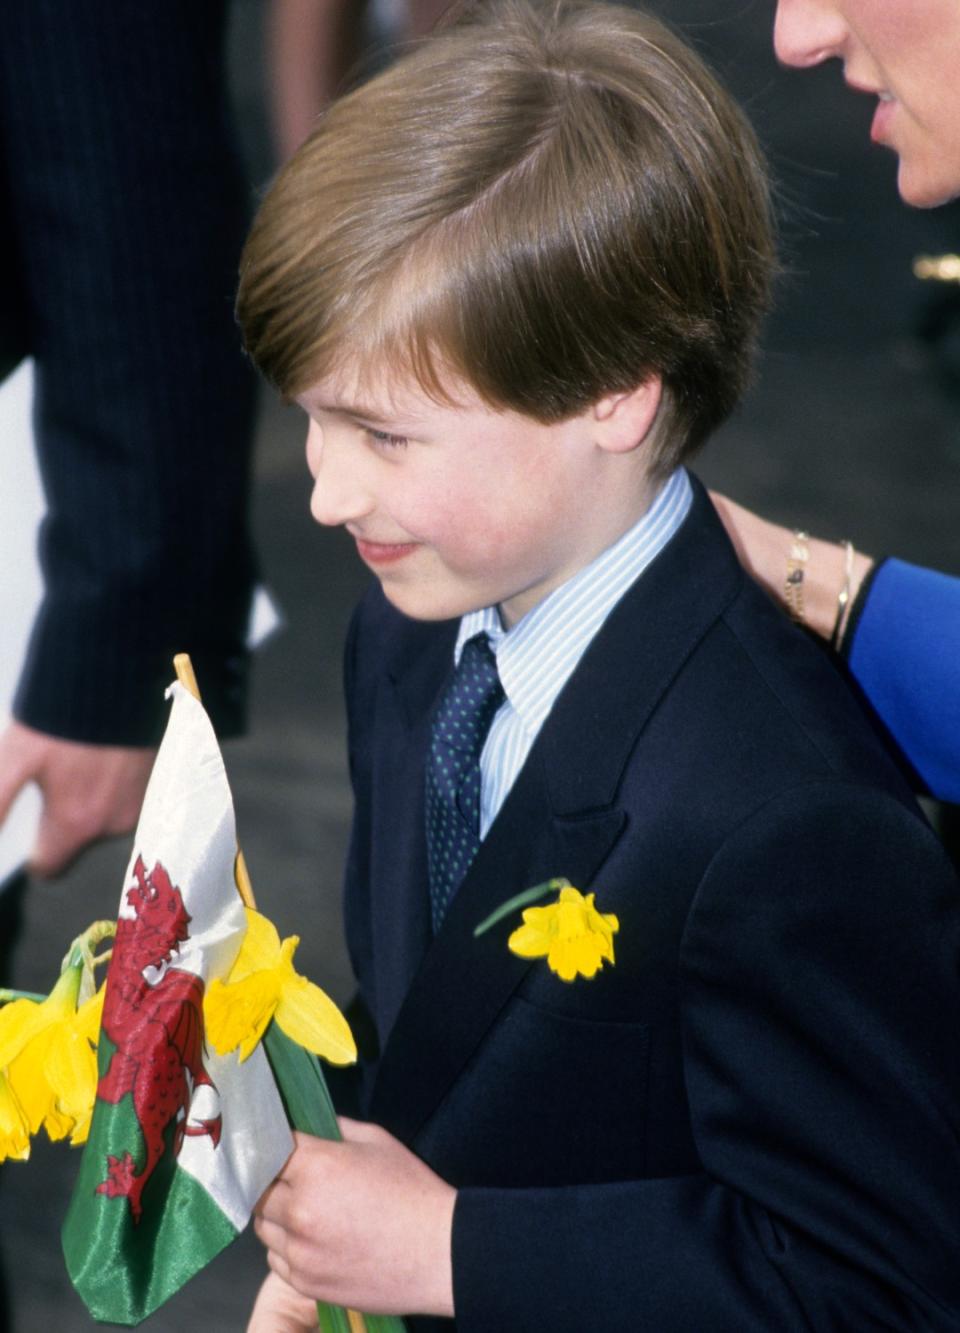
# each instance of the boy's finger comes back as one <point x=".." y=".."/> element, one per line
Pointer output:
<point x="272" y="1203"/>
<point x="273" y="1236"/>
<point x="278" y="1265"/>
<point x="358" y="1131"/>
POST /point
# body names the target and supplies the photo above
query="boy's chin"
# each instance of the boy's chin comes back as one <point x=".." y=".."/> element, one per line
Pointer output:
<point x="426" y="604"/>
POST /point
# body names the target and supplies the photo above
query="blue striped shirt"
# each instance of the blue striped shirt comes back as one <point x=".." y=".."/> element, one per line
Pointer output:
<point x="537" y="656"/>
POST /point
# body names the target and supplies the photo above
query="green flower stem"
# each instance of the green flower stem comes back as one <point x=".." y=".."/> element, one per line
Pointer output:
<point x="521" y="900"/>
<point x="81" y="951"/>
<point x="309" y="1108"/>
<point x="7" y="996"/>
<point x="82" y="955"/>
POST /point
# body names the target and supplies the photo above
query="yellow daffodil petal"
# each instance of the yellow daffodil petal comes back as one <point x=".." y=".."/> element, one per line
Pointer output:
<point x="81" y="1130"/>
<point x="310" y="1018"/>
<point x="574" y="937"/>
<point x="14" y="1130"/>
<point x="604" y="923"/>
<point x="89" y="1016"/>
<point x="57" y="1125"/>
<point x="236" y="1014"/>
<point x="36" y="1096"/>
<point x="71" y="1072"/>
<point x="29" y="1082"/>
<point x="20" y="1021"/>
<point x="260" y="948"/>
<point x="580" y="955"/>
<point x="529" y="942"/>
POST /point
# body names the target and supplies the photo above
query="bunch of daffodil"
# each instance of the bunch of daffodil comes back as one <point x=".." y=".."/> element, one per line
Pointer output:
<point x="263" y="985"/>
<point x="48" y="1063"/>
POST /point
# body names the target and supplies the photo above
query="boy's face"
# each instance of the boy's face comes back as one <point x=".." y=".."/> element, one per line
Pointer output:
<point x="460" y="507"/>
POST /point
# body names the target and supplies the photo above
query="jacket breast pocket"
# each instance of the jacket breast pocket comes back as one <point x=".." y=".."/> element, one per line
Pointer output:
<point x="548" y="1099"/>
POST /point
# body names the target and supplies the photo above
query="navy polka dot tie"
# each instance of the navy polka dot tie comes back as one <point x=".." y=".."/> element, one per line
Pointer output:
<point x="460" y="727"/>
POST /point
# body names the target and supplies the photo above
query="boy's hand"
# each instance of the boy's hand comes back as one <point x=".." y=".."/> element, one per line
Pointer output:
<point x="280" y="1309"/>
<point x="362" y="1224"/>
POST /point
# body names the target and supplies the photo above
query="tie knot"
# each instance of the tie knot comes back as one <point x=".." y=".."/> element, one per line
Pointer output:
<point x="471" y="699"/>
<point x="478" y="663"/>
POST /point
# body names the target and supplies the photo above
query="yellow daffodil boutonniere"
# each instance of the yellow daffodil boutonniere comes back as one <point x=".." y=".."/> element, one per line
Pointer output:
<point x="263" y="984"/>
<point x="571" y="934"/>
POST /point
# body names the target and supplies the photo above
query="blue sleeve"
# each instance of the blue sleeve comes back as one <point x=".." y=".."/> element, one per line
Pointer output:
<point x="905" y="654"/>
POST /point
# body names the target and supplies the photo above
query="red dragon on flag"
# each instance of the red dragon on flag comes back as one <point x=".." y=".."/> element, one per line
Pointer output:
<point x="153" y="1014"/>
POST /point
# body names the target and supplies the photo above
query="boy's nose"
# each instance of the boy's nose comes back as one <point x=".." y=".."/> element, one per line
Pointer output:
<point x="806" y="32"/>
<point x="339" y="493"/>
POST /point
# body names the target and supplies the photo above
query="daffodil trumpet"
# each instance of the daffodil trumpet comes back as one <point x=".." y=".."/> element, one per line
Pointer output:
<point x="263" y="986"/>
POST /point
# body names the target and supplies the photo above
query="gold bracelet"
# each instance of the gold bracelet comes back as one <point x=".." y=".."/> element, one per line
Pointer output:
<point x="843" y="596"/>
<point x="797" y="557"/>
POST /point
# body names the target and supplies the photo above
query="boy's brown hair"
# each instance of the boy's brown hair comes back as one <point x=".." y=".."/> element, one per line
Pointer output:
<point x="549" y="201"/>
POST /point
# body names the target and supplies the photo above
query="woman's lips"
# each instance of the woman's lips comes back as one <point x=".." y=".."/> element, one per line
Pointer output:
<point x="383" y="553"/>
<point x="881" y="120"/>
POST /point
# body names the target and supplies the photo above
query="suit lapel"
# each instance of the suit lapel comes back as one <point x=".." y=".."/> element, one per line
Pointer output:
<point x="400" y="916"/>
<point x="561" y="818"/>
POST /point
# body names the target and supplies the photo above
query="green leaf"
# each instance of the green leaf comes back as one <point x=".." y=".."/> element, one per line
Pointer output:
<point x="309" y="1108"/>
<point x="302" y="1086"/>
<point x="332" y="1319"/>
<point x="521" y="900"/>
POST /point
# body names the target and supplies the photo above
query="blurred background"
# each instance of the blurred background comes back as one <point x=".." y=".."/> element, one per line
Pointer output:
<point x="851" y="431"/>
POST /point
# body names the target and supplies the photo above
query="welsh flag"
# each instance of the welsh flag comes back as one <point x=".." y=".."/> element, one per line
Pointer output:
<point x="183" y="1141"/>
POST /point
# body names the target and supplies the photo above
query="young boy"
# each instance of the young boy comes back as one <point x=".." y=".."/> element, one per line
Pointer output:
<point x="514" y="283"/>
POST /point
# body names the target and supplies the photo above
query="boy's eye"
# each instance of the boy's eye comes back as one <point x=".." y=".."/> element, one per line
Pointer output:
<point x="385" y="438"/>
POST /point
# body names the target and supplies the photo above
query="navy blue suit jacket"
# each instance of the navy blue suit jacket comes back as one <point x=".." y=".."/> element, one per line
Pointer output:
<point x="752" y="1121"/>
<point x="122" y="212"/>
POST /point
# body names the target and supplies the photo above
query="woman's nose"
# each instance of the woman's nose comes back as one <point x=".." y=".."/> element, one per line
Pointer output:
<point x="806" y="32"/>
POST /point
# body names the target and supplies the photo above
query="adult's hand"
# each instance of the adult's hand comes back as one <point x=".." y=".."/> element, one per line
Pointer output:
<point x="89" y="791"/>
<point x="762" y="548"/>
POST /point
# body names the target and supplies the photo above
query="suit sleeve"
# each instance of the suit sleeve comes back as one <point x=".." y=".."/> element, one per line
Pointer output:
<point x="127" y="210"/>
<point x="819" y="976"/>
<point x="904" y="651"/>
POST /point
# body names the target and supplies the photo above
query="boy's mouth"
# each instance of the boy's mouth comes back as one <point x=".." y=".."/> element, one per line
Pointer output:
<point x="383" y="553"/>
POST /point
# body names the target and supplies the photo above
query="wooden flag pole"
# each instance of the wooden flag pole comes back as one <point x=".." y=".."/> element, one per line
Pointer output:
<point x="187" y="678"/>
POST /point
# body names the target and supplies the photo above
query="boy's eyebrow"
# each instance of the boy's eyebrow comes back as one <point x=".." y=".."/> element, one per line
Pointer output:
<point x="356" y="410"/>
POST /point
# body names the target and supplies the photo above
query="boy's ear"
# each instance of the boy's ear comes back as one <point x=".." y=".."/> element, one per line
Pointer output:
<point x="622" y="421"/>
